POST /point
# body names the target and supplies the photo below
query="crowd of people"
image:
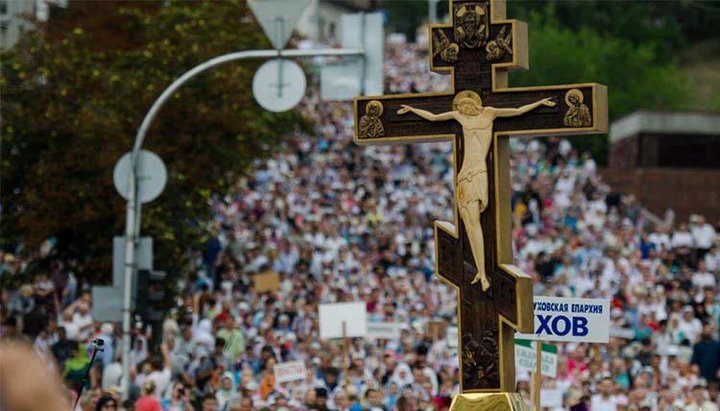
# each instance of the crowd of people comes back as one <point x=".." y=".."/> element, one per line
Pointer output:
<point x="342" y="223"/>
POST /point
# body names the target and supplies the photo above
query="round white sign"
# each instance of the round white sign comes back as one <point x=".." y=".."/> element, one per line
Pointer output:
<point x="152" y="176"/>
<point x="279" y="85"/>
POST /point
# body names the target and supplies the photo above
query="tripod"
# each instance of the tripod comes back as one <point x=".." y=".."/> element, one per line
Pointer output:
<point x="97" y="345"/>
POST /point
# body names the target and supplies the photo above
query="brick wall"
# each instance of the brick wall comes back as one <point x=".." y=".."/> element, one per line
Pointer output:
<point x="624" y="153"/>
<point x="686" y="191"/>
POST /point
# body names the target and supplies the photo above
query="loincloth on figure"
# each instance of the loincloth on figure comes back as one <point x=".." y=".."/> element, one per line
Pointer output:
<point x="472" y="186"/>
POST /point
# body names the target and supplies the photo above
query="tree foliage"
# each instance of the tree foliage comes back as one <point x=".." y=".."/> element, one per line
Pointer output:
<point x="669" y="26"/>
<point x="632" y="72"/>
<point x="73" y="98"/>
<point x="632" y="47"/>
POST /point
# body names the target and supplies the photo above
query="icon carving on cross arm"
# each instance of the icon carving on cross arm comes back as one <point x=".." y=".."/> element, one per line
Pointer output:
<point x="442" y="46"/>
<point x="497" y="48"/>
<point x="471" y="186"/>
<point x="370" y="124"/>
<point x="578" y="114"/>
<point x="471" y="25"/>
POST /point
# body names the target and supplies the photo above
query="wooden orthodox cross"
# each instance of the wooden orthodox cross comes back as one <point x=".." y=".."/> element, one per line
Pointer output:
<point x="474" y="254"/>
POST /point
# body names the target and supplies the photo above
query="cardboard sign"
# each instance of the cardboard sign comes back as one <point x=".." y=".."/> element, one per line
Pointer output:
<point x="525" y="358"/>
<point x="267" y="282"/>
<point x="626" y="333"/>
<point x="437" y="329"/>
<point x="332" y="317"/>
<point x="383" y="331"/>
<point x="551" y="398"/>
<point x="570" y="319"/>
<point x="289" y="371"/>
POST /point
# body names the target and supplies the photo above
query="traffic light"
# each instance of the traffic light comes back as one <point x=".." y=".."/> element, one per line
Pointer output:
<point x="150" y="295"/>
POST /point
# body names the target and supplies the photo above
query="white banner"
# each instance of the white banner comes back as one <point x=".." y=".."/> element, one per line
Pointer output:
<point x="525" y="360"/>
<point x="551" y="398"/>
<point x="382" y="330"/>
<point x="452" y="337"/>
<point x="570" y="319"/>
<point x="626" y="333"/>
<point x="333" y="316"/>
<point x="289" y="371"/>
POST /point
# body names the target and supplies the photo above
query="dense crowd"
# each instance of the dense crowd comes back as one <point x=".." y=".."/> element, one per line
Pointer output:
<point x="343" y="223"/>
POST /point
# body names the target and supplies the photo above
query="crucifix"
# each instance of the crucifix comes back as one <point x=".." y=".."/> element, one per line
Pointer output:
<point x="477" y="116"/>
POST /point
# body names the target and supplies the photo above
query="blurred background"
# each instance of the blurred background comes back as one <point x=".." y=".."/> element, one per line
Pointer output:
<point x="251" y="191"/>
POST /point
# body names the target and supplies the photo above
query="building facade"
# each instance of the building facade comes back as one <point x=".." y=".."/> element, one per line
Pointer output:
<point x="668" y="160"/>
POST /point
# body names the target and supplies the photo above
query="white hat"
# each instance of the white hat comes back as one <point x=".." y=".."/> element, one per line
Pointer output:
<point x="107" y="329"/>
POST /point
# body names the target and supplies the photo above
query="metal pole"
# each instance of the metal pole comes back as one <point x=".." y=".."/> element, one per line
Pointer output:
<point x="280" y="34"/>
<point x="537" y="380"/>
<point x="132" y="210"/>
<point x="432" y="11"/>
<point x="363" y="36"/>
<point x="130" y="234"/>
<point x="346" y="360"/>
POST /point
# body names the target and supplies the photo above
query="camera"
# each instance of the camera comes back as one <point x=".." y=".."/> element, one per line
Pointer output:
<point x="98" y="342"/>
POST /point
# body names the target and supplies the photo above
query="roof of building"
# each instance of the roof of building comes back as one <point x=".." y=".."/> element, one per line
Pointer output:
<point x="665" y="122"/>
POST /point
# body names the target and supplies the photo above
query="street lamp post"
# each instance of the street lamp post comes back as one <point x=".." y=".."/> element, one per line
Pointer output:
<point x="132" y="211"/>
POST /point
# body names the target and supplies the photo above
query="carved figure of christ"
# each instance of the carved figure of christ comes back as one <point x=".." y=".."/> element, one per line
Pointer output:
<point x="477" y="243"/>
<point x="471" y="187"/>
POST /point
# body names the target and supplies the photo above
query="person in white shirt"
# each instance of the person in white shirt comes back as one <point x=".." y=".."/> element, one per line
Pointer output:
<point x="689" y="326"/>
<point x="682" y="238"/>
<point x="160" y="373"/>
<point x="84" y="321"/>
<point x="703" y="235"/>
<point x="712" y="259"/>
<point x="660" y="238"/>
<point x="78" y="324"/>
<point x="700" y="400"/>
<point x="702" y="277"/>
<point x="604" y="400"/>
<point x="682" y="243"/>
<point x="112" y="374"/>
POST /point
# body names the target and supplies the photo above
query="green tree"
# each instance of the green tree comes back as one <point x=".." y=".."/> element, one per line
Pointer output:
<point x="634" y="76"/>
<point x="669" y="26"/>
<point x="73" y="97"/>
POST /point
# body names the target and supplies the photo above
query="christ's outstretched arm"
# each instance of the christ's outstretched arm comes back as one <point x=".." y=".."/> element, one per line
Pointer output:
<point x="426" y="114"/>
<point x="512" y="112"/>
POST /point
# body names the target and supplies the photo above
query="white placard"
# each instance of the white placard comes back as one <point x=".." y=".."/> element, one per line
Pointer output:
<point x="525" y="361"/>
<point x="382" y="330"/>
<point x="452" y="337"/>
<point x="551" y="398"/>
<point x="332" y="317"/>
<point x="570" y="319"/>
<point x="289" y="371"/>
<point x="626" y="333"/>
